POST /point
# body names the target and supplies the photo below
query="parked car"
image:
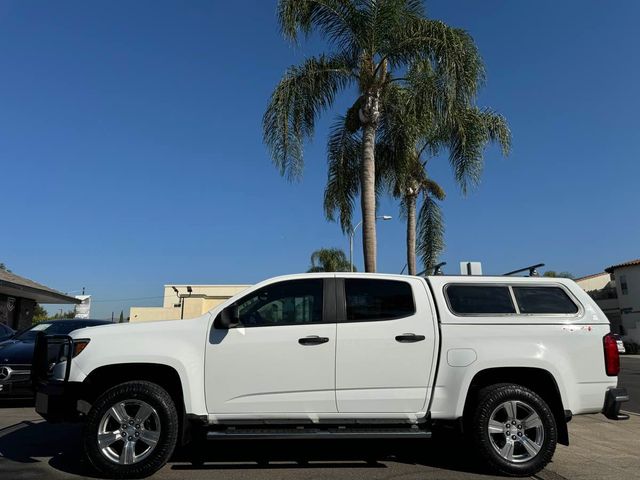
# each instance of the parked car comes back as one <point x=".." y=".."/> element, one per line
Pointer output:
<point x="6" y="332"/>
<point x="16" y="354"/>
<point x="343" y="355"/>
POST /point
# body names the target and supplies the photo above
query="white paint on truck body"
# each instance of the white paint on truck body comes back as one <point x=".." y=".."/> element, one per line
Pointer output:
<point x="361" y="372"/>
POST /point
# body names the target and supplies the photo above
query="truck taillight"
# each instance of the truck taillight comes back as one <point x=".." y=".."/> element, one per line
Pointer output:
<point x="611" y="355"/>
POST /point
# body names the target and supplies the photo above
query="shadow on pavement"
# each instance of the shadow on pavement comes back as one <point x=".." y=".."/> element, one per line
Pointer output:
<point x="16" y="402"/>
<point x="26" y="441"/>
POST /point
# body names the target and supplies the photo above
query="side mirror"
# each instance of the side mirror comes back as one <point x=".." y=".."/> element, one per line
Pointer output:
<point x="229" y="317"/>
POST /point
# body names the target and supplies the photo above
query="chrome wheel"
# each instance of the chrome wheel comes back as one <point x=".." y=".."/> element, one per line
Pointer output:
<point x="128" y="432"/>
<point x="516" y="431"/>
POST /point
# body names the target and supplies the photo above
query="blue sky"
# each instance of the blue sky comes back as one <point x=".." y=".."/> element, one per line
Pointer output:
<point x="131" y="153"/>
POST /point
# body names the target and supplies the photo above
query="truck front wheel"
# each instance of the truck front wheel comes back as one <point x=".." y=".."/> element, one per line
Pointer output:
<point x="131" y="430"/>
<point x="514" y="429"/>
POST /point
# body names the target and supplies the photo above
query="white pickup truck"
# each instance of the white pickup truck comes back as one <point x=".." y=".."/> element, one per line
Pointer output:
<point x="508" y="359"/>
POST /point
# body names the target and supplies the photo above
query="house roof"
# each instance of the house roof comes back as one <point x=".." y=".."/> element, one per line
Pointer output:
<point x="630" y="263"/>
<point x="17" y="286"/>
<point x="594" y="275"/>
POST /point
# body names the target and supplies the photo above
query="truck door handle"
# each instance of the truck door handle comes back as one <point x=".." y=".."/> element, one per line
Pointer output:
<point x="409" y="338"/>
<point x="312" y="340"/>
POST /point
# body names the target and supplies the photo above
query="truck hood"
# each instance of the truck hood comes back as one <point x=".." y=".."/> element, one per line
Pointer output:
<point x="124" y="330"/>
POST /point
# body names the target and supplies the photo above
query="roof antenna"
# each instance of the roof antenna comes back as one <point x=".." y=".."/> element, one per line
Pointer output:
<point x="532" y="269"/>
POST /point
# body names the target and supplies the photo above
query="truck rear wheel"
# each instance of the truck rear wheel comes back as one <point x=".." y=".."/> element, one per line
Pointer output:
<point x="514" y="429"/>
<point x="131" y="430"/>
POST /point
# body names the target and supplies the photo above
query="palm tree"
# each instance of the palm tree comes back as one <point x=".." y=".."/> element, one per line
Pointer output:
<point x="554" y="274"/>
<point x="465" y="133"/>
<point x="425" y="232"/>
<point x="406" y="136"/>
<point x="372" y="44"/>
<point x="329" y="260"/>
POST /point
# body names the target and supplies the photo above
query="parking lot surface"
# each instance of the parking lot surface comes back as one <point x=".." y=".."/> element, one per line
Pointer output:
<point x="630" y="379"/>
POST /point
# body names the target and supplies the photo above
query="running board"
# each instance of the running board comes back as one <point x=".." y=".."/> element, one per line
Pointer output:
<point x="316" y="433"/>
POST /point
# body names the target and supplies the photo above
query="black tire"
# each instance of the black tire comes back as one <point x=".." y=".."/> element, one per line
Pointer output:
<point x="525" y="462"/>
<point x="165" y="414"/>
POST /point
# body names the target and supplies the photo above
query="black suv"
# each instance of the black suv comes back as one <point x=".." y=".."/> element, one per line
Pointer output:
<point x="16" y="354"/>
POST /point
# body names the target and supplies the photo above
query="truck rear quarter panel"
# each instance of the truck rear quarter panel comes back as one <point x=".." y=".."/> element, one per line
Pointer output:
<point x="569" y="347"/>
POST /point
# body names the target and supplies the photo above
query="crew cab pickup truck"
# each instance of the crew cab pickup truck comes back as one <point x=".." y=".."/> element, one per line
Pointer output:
<point x="508" y="359"/>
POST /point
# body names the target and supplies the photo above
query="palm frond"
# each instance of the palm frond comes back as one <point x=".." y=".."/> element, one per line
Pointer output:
<point x="302" y="94"/>
<point x="338" y="20"/>
<point x="432" y="188"/>
<point x="344" y="150"/>
<point x="387" y="17"/>
<point x="469" y="131"/>
<point x="451" y="52"/>
<point x="430" y="235"/>
<point x="497" y="129"/>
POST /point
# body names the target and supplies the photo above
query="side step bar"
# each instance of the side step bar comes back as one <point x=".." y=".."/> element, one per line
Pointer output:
<point x="316" y="433"/>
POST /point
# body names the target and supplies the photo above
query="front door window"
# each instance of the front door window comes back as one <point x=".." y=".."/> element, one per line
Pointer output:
<point x="287" y="303"/>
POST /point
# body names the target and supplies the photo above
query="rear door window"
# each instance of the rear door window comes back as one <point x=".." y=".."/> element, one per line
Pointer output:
<point x="370" y="300"/>
<point x="480" y="299"/>
<point x="544" y="300"/>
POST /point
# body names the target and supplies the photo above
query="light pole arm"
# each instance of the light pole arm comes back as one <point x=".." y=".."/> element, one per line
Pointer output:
<point x="351" y="235"/>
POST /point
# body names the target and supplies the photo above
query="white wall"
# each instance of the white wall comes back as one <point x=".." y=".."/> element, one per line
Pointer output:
<point x="594" y="282"/>
<point x="629" y="303"/>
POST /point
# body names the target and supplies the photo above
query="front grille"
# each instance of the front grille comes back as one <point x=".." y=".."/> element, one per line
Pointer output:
<point x="14" y="373"/>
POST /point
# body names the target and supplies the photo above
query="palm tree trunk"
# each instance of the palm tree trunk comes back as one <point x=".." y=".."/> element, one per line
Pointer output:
<point x="410" y="201"/>
<point x="368" y="197"/>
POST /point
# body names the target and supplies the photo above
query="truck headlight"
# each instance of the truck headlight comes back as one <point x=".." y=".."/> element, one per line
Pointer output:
<point x="79" y="346"/>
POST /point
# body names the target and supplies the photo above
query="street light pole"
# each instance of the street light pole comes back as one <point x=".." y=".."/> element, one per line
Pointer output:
<point x="352" y="234"/>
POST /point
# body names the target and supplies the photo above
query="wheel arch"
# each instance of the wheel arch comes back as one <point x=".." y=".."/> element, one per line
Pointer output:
<point x="539" y="380"/>
<point x="108" y="376"/>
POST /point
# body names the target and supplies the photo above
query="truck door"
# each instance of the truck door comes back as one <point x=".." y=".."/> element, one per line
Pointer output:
<point x="386" y="343"/>
<point x="281" y="357"/>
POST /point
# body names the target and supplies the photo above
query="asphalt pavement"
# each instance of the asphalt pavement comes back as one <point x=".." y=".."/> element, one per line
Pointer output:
<point x="630" y="379"/>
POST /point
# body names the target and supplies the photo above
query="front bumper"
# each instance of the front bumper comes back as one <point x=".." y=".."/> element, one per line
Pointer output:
<point x="613" y="400"/>
<point x="19" y="389"/>
<point x="57" y="401"/>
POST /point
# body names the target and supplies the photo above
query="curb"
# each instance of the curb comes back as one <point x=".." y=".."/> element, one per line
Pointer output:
<point x="548" y="475"/>
<point x="631" y="413"/>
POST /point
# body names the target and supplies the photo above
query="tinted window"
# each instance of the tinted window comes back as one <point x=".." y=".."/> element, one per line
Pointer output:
<point x="543" y="300"/>
<point x="369" y="300"/>
<point x="284" y="303"/>
<point x="480" y="299"/>
<point x="624" y="287"/>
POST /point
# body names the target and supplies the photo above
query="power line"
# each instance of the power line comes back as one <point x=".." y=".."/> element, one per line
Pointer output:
<point x="126" y="299"/>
